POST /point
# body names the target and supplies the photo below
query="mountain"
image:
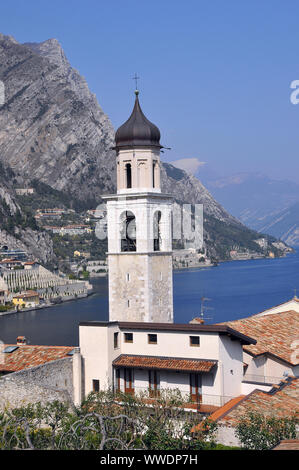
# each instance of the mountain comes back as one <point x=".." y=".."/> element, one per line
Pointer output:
<point x="53" y="131"/>
<point x="51" y="126"/>
<point x="283" y="224"/>
<point x="260" y="202"/>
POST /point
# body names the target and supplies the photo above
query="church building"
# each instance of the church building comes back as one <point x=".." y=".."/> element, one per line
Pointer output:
<point x="140" y="348"/>
<point x="139" y="227"/>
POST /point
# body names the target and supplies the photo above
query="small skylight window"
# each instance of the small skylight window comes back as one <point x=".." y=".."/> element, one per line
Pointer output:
<point x="71" y="353"/>
<point x="10" y="349"/>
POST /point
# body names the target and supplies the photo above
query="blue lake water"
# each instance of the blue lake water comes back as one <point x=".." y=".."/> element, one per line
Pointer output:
<point x="236" y="289"/>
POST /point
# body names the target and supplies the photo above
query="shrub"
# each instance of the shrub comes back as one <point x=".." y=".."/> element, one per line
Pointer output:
<point x="259" y="432"/>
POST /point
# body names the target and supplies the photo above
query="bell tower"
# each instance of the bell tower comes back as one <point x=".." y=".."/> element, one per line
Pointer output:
<point x="139" y="227"/>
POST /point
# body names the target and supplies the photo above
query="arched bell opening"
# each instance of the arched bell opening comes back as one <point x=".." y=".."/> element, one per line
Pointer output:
<point x="157" y="231"/>
<point x="128" y="231"/>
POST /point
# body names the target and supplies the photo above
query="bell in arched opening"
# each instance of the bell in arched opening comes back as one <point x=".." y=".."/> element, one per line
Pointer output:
<point x="128" y="231"/>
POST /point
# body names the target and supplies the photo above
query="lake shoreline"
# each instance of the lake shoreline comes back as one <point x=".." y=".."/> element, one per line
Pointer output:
<point x="183" y="268"/>
<point x="232" y="291"/>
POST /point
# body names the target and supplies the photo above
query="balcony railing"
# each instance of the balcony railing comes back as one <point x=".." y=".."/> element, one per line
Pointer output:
<point x="263" y="379"/>
<point x="203" y="401"/>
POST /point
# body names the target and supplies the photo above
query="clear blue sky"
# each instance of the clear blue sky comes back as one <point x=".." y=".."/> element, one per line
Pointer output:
<point x="215" y="74"/>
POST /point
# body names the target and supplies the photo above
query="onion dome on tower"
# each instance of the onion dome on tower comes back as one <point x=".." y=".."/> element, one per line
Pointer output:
<point x="137" y="131"/>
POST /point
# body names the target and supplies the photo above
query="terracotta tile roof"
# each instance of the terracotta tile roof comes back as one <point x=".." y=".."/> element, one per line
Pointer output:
<point x="174" y="327"/>
<point x="275" y="334"/>
<point x="164" y="363"/>
<point x="282" y="401"/>
<point x="290" y="444"/>
<point x="27" y="295"/>
<point x="26" y="356"/>
<point x="216" y="414"/>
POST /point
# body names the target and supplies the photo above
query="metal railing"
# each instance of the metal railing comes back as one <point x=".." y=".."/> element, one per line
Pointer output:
<point x="202" y="399"/>
<point x="263" y="379"/>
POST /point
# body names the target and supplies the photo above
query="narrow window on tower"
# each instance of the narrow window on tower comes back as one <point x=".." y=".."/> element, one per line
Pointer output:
<point x="115" y="340"/>
<point x="129" y="175"/>
<point x="157" y="231"/>
<point x="154" y="168"/>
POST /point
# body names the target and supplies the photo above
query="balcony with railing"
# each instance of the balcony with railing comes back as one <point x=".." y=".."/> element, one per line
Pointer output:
<point x="263" y="379"/>
<point x="202" y="403"/>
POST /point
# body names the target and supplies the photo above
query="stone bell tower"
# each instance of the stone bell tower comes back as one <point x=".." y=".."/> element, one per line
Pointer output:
<point x="139" y="227"/>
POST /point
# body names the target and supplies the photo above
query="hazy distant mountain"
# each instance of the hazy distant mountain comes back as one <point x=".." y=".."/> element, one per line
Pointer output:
<point x="261" y="203"/>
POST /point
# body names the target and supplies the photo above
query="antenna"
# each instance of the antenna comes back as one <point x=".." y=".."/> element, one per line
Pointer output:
<point x="204" y="308"/>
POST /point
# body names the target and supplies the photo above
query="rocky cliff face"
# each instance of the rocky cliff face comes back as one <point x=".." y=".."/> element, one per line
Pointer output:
<point x="53" y="130"/>
<point x="51" y="126"/>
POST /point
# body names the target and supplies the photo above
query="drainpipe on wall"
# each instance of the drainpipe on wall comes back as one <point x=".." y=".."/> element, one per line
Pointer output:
<point x="77" y="377"/>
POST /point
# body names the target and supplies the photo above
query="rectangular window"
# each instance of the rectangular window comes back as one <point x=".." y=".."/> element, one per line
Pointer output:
<point x="128" y="337"/>
<point x="96" y="385"/>
<point x="129" y="381"/>
<point x="194" y="341"/>
<point x="153" y="383"/>
<point x="195" y="388"/>
<point x="115" y="340"/>
<point x="152" y="339"/>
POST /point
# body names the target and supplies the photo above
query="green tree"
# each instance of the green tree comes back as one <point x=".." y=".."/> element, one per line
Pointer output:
<point x="106" y="421"/>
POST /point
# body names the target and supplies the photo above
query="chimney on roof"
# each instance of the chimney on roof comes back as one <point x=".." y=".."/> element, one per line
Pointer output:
<point x="197" y="320"/>
<point x="21" y="340"/>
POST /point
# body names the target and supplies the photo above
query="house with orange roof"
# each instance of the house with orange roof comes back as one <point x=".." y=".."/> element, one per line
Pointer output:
<point x="28" y="299"/>
<point x="280" y="401"/>
<point x="204" y="362"/>
<point x="276" y="353"/>
<point x="292" y="304"/>
<point x="34" y="373"/>
<point x="21" y="356"/>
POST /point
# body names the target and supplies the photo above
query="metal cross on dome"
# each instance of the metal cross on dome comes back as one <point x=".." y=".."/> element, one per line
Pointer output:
<point x="136" y="78"/>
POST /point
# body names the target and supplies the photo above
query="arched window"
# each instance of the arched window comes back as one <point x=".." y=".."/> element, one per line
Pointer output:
<point x="154" y="170"/>
<point x="157" y="231"/>
<point x="129" y="175"/>
<point x="128" y="231"/>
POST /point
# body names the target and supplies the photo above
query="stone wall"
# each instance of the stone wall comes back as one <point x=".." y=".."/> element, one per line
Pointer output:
<point x="140" y="287"/>
<point x="48" y="382"/>
<point x="226" y="436"/>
